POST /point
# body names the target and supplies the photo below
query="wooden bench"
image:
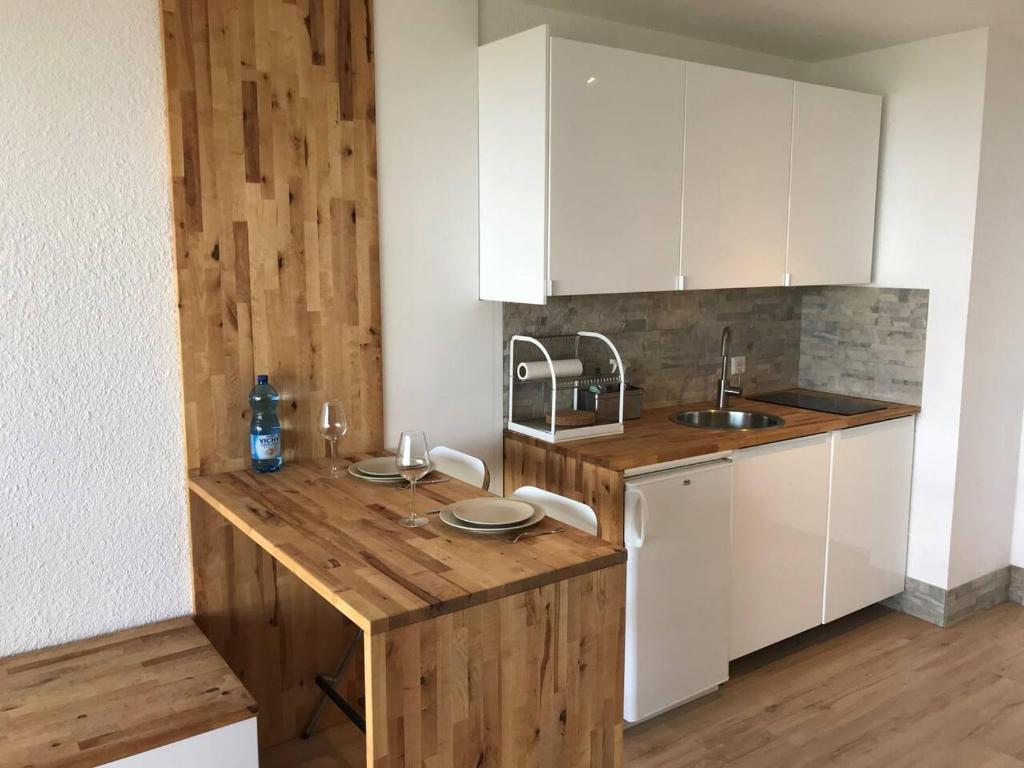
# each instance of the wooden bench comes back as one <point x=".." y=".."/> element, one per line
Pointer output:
<point x="149" y="697"/>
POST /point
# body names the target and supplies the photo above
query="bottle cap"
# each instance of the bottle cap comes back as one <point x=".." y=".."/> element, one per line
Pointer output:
<point x="262" y="379"/>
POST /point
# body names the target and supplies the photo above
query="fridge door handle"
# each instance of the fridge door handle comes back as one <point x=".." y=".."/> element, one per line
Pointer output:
<point x="636" y="518"/>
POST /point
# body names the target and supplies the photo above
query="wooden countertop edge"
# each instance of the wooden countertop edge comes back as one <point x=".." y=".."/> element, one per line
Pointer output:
<point x="506" y="590"/>
<point x="415" y="615"/>
<point x="751" y="439"/>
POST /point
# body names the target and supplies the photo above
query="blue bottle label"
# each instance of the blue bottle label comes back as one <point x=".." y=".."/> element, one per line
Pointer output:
<point x="265" y="446"/>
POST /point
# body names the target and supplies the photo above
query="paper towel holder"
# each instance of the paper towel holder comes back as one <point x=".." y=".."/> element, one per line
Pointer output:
<point x="538" y="428"/>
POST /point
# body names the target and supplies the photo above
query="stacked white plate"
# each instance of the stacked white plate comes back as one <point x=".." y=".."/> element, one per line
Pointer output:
<point x="491" y="515"/>
<point x="378" y="470"/>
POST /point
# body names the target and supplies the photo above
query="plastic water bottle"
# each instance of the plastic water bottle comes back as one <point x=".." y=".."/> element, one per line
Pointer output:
<point x="265" y="429"/>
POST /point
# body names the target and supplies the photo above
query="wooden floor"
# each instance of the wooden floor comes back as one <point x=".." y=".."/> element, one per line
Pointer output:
<point x="343" y="746"/>
<point x="879" y="689"/>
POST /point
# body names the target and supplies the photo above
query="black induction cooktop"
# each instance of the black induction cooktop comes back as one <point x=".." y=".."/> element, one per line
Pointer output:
<point x="820" y="401"/>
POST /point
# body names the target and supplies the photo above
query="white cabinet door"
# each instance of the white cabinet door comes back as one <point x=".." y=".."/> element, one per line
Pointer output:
<point x="780" y="500"/>
<point x="232" y="746"/>
<point x="513" y="167"/>
<point x="869" y="514"/>
<point x="835" y="170"/>
<point x="616" y="166"/>
<point x="735" y="178"/>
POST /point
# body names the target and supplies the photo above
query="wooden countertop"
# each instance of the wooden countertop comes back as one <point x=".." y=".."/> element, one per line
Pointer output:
<point x="342" y="538"/>
<point x="100" y="700"/>
<point x="653" y="438"/>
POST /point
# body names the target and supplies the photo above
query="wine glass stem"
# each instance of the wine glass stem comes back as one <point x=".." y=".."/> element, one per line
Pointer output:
<point x="412" y="486"/>
<point x="334" y="457"/>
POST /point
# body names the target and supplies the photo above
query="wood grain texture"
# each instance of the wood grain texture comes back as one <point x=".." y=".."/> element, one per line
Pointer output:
<point x="273" y="165"/>
<point x="653" y="438"/>
<point x="533" y="679"/>
<point x="341" y="537"/>
<point x="274" y="631"/>
<point x="103" y="699"/>
<point x="603" y="490"/>
<point x="890" y="691"/>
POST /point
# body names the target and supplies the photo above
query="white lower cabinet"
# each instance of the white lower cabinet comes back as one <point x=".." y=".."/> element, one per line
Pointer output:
<point x="819" y="530"/>
<point x="869" y="510"/>
<point x="233" y="746"/>
<point x="780" y="502"/>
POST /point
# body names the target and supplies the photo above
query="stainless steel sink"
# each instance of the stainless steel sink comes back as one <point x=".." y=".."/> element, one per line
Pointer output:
<point x="717" y="418"/>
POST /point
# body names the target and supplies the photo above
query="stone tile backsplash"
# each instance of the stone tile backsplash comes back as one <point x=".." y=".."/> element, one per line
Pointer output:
<point x="853" y="340"/>
<point x="864" y="341"/>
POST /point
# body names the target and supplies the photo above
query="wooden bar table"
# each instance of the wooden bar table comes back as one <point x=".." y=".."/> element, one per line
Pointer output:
<point x="476" y="651"/>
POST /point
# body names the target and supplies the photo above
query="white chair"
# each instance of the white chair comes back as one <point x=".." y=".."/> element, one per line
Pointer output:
<point x="574" y="513"/>
<point x="461" y="466"/>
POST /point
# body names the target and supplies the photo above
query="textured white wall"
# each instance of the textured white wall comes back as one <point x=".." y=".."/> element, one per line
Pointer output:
<point x="93" y="533"/>
<point x="927" y="199"/>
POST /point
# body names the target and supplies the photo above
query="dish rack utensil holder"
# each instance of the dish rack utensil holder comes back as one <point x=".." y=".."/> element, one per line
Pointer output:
<point x="553" y="433"/>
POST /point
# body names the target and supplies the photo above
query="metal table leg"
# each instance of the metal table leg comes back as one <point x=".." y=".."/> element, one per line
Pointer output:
<point x="329" y="685"/>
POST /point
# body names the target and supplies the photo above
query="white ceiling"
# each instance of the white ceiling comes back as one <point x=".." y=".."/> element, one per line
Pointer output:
<point x="808" y="30"/>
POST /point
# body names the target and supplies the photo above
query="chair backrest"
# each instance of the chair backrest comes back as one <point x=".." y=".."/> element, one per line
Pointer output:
<point x="461" y="466"/>
<point x="574" y="513"/>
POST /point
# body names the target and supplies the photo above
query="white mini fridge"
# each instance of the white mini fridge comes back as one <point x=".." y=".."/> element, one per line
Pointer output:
<point x="678" y="535"/>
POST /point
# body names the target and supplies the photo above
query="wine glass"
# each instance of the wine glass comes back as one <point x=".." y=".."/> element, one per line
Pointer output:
<point x="413" y="461"/>
<point x="333" y="424"/>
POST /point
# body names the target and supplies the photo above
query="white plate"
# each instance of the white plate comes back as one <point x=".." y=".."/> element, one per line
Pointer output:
<point x="370" y="478"/>
<point x="382" y="466"/>
<point x="449" y="519"/>
<point x="492" y="511"/>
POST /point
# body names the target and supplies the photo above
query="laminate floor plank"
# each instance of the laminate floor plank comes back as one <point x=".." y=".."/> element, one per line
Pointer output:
<point x="875" y="689"/>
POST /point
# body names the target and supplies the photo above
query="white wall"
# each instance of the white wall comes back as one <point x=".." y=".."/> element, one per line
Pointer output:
<point x="93" y="534"/>
<point x="1017" y="540"/>
<point x="928" y="183"/>
<point x="1017" y="537"/>
<point x="501" y="18"/>
<point x="993" y="398"/>
<point x="439" y="340"/>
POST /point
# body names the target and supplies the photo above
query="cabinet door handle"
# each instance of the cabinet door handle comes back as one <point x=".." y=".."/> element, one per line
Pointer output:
<point x="636" y="504"/>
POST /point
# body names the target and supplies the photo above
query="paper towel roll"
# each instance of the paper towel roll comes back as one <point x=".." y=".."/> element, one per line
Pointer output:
<point x="564" y="369"/>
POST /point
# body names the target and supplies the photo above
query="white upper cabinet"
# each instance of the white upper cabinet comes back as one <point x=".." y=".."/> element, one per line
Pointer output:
<point x="581" y="163"/>
<point x="835" y="171"/>
<point x="611" y="171"/>
<point x="736" y="178"/>
<point x="616" y="161"/>
<point x="513" y="167"/>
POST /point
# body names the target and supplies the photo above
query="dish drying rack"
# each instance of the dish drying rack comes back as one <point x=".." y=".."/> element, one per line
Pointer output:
<point x="552" y="433"/>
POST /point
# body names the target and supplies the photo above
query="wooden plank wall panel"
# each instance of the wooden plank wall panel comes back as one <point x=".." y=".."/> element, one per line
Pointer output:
<point x="274" y="632"/>
<point x="602" y="489"/>
<point x="273" y="163"/>
<point x="531" y="680"/>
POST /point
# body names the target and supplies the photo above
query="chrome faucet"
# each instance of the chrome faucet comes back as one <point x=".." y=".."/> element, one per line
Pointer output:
<point x="724" y="390"/>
